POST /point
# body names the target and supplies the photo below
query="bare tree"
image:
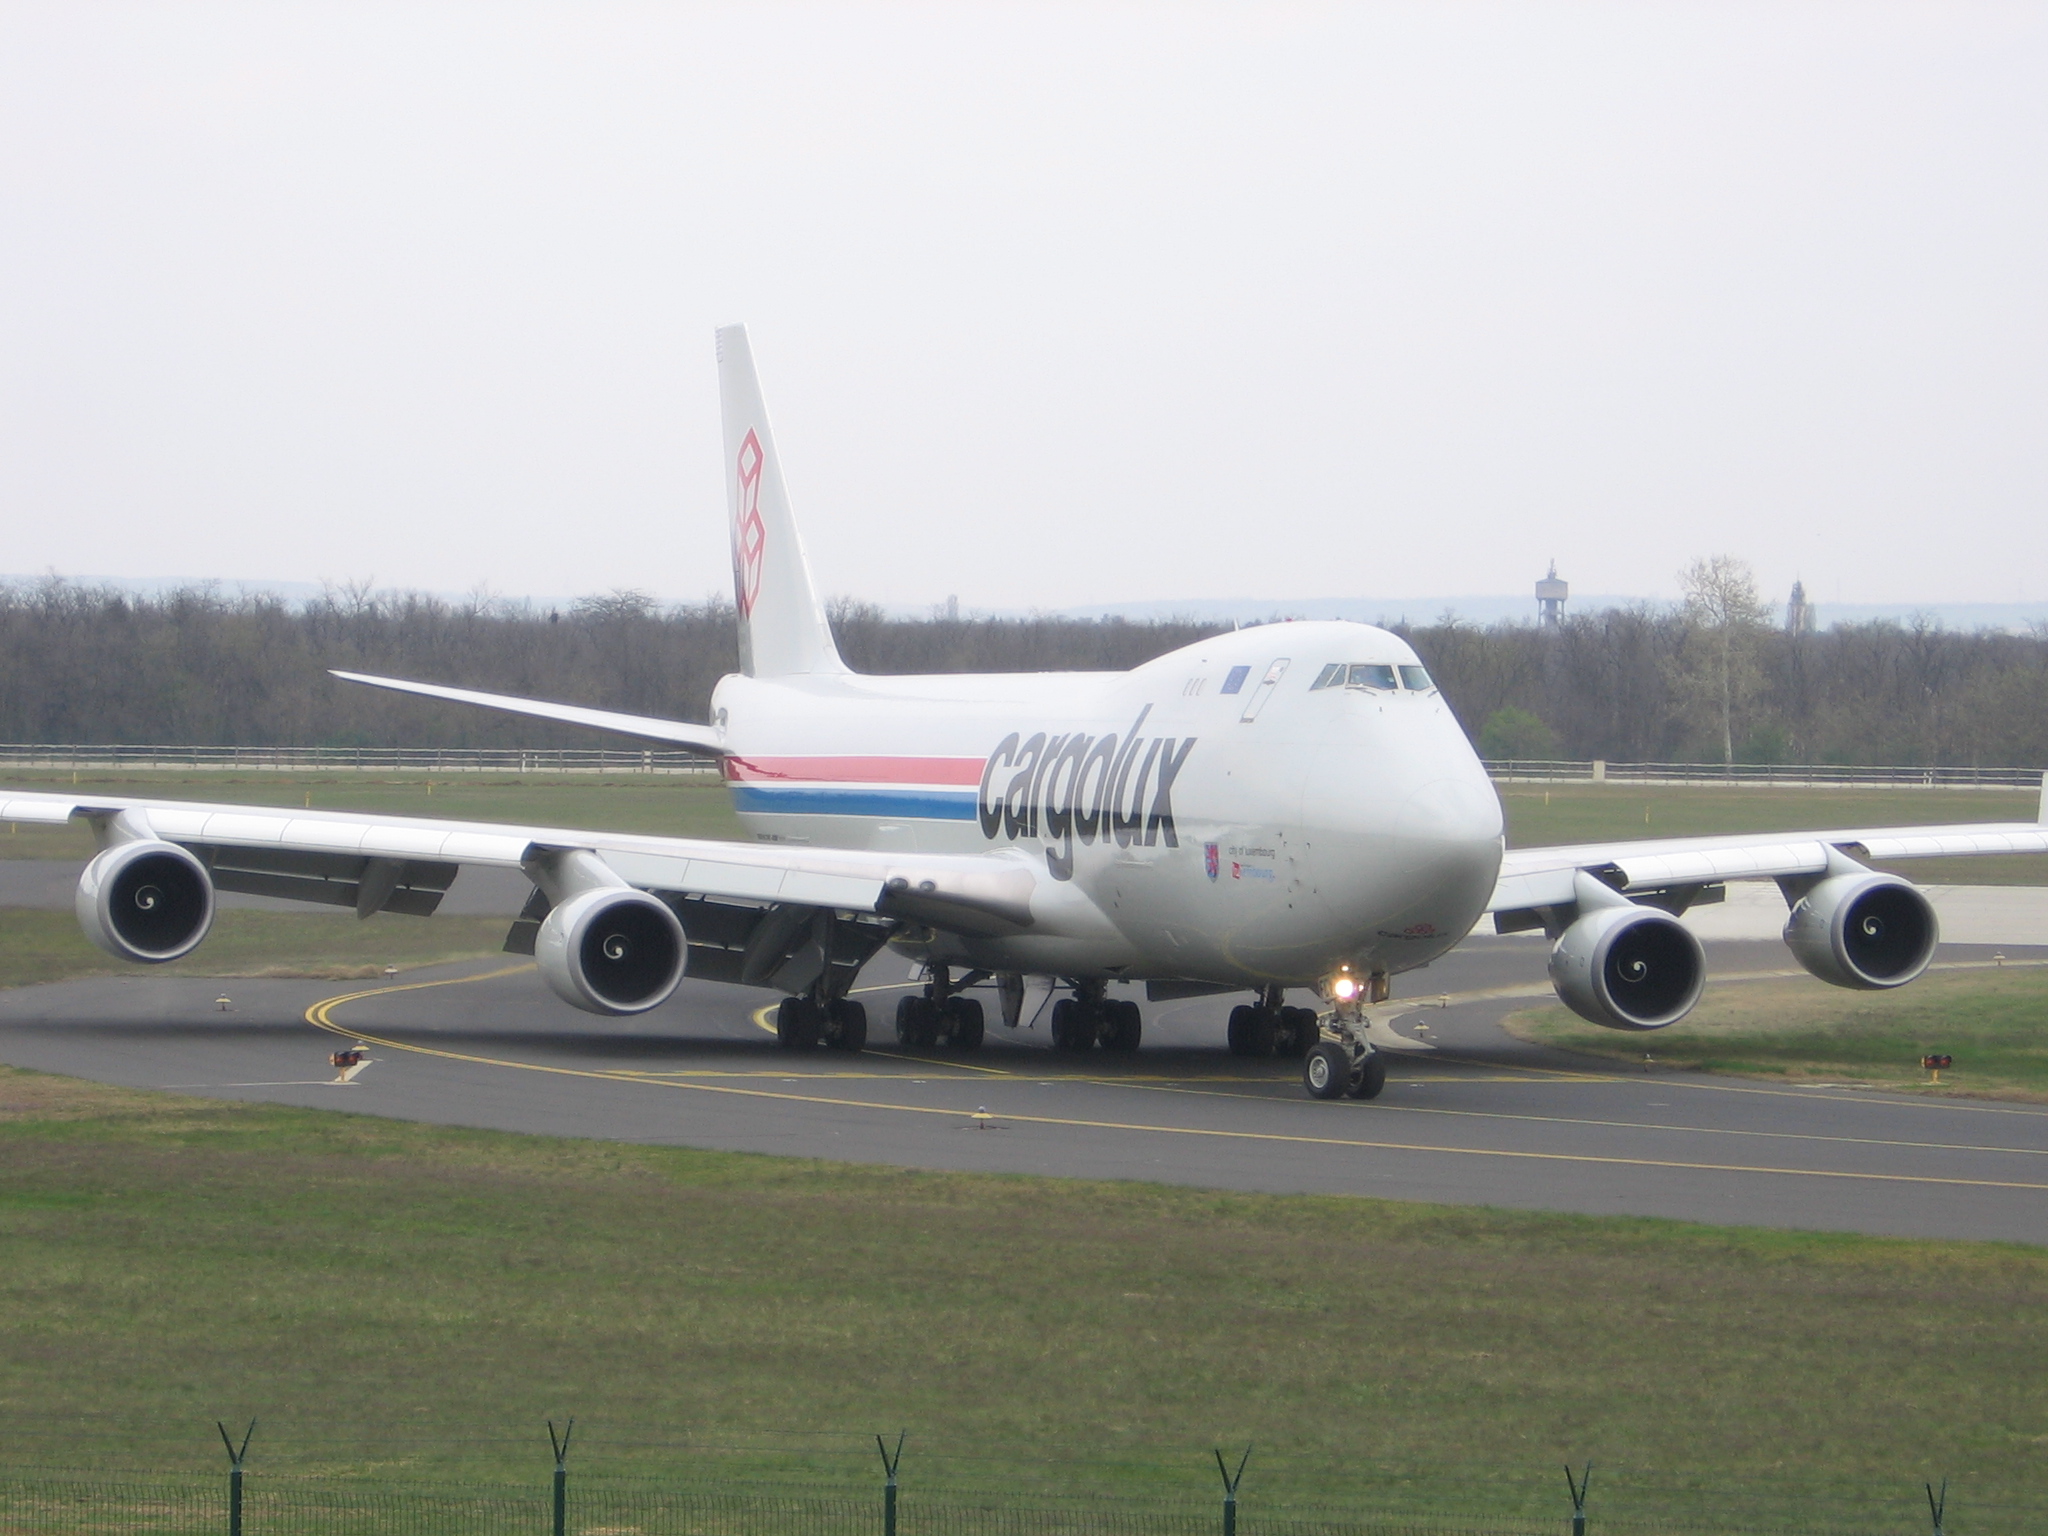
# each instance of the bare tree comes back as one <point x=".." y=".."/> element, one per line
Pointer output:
<point x="1725" y="614"/>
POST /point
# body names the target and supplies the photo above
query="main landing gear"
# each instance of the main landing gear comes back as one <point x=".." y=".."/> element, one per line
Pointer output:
<point x="1269" y="1028"/>
<point x="1088" y="1019"/>
<point x="941" y="1015"/>
<point x="805" y="1023"/>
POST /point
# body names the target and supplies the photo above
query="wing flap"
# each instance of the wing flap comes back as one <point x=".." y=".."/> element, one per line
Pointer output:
<point x="45" y="811"/>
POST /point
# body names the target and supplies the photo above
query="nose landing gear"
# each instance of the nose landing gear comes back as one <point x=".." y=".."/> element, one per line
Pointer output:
<point x="1343" y="1063"/>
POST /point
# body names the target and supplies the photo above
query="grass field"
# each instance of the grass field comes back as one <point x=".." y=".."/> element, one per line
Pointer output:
<point x="396" y="1300"/>
<point x="1993" y="1022"/>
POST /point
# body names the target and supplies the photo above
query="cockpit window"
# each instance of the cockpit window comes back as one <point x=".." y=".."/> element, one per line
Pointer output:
<point x="1331" y="676"/>
<point x="1370" y="675"/>
<point x="1416" y="678"/>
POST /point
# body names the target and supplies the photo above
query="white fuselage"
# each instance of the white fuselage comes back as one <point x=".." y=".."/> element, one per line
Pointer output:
<point x="1212" y="815"/>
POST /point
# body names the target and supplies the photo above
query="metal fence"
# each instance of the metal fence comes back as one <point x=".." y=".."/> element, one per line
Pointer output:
<point x="296" y="1505"/>
<point x="1781" y="775"/>
<point x="703" y="1497"/>
<point x="547" y="760"/>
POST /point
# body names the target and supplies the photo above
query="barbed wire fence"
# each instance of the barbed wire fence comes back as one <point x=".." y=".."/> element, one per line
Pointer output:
<point x="707" y="1490"/>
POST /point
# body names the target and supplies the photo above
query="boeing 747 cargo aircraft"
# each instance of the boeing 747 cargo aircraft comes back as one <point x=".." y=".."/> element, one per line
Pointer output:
<point x="1285" y="807"/>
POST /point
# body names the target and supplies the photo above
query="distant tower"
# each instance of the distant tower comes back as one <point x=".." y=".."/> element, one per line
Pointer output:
<point x="1550" y="596"/>
<point x="953" y="608"/>
<point x="1799" y="613"/>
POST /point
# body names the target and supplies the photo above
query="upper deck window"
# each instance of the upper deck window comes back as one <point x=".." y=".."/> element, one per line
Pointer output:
<point x="1234" y="680"/>
<point x="1416" y="678"/>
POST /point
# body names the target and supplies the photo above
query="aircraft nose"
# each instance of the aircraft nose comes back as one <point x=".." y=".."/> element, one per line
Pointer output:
<point x="1454" y="811"/>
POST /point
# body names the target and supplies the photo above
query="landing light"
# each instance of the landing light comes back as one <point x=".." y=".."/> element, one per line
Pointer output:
<point x="1345" y="988"/>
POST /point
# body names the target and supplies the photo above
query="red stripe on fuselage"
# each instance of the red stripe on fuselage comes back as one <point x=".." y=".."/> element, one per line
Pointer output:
<point x="855" y="770"/>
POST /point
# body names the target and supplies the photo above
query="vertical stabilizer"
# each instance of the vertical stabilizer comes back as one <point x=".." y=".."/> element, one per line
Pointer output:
<point x="783" y="631"/>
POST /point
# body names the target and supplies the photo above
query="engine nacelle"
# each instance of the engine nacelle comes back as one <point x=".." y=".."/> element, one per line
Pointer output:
<point x="146" y="900"/>
<point x="1867" y="931"/>
<point x="1628" y="967"/>
<point x="612" y="950"/>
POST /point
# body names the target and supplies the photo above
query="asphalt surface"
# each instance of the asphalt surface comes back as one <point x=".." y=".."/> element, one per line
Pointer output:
<point x="1469" y="1116"/>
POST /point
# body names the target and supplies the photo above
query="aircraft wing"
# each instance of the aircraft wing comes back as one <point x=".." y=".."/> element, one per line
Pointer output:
<point x="723" y="890"/>
<point x="1532" y="878"/>
<point x="677" y="732"/>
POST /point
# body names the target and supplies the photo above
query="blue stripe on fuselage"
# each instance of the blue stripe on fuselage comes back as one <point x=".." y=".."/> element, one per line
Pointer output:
<point x="806" y="800"/>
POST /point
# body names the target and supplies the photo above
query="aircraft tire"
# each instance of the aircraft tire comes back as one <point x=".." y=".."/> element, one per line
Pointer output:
<point x="850" y="1026"/>
<point x="1242" y="1018"/>
<point x="1326" y="1071"/>
<point x="1073" y="1025"/>
<point x="965" y="1016"/>
<point x="1369" y="1079"/>
<point x="796" y="1024"/>
<point x="917" y="1025"/>
<point x="1262" y="1036"/>
<point x="1297" y="1033"/>
<point x="1126" y="1027"/>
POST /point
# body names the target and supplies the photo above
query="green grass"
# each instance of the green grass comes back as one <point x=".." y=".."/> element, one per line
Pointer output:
<point x="48" y="946"/>
<point x="1993" y="1022"/>
<point x="399" y="1300"/>
<point x="668" y="804"/>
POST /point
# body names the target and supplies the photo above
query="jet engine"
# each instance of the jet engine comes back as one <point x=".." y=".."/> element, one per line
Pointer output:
<point x="145" y="900"/>
<point x="612" y="950"/>
<point x="1863" y="930"/>
<point x="1628" y="967"/>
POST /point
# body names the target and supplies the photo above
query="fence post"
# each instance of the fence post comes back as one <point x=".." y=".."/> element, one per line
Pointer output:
<point x="890" y="1462"/>
<point x="235" y="1455"/>
<point x="1578" y="1487"/>
<point x="1230" y="1482"/>
<point x="561" y="1445"/>
<point x="1936" y="1506"/>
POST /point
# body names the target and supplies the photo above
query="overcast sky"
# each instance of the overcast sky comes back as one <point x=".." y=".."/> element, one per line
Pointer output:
<point x="1053" y="305"/>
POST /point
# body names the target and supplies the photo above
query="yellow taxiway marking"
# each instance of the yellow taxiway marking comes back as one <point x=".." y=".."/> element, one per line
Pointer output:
<point x="1672" y="1078"/>
<point x="1707" y="1130"/>
<point x="320" y="1015"/>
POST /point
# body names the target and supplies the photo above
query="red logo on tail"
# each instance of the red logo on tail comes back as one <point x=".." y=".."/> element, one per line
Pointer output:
<point x="749" y="533"/>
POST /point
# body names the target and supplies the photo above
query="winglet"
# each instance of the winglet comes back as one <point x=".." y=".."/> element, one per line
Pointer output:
<point x="783" y="629"/>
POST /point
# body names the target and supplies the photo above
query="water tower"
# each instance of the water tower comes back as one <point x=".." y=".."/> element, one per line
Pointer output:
<point x="1550" y="596"/>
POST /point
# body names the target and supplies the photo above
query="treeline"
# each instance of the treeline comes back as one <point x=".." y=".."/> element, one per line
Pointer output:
<point x="96" y="665"/>
<point x="1644" y="685"/>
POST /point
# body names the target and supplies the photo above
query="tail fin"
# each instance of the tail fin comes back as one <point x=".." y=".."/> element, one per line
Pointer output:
<point x="783" y="631"/>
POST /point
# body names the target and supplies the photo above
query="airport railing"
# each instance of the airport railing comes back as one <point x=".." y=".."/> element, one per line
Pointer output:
<point x="702" y="1488"/>
<point x="287" y="1505"/>
<point x="533" y="760"/>
<point x="1778" y="775"/>
<point x="547" y="760"/>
